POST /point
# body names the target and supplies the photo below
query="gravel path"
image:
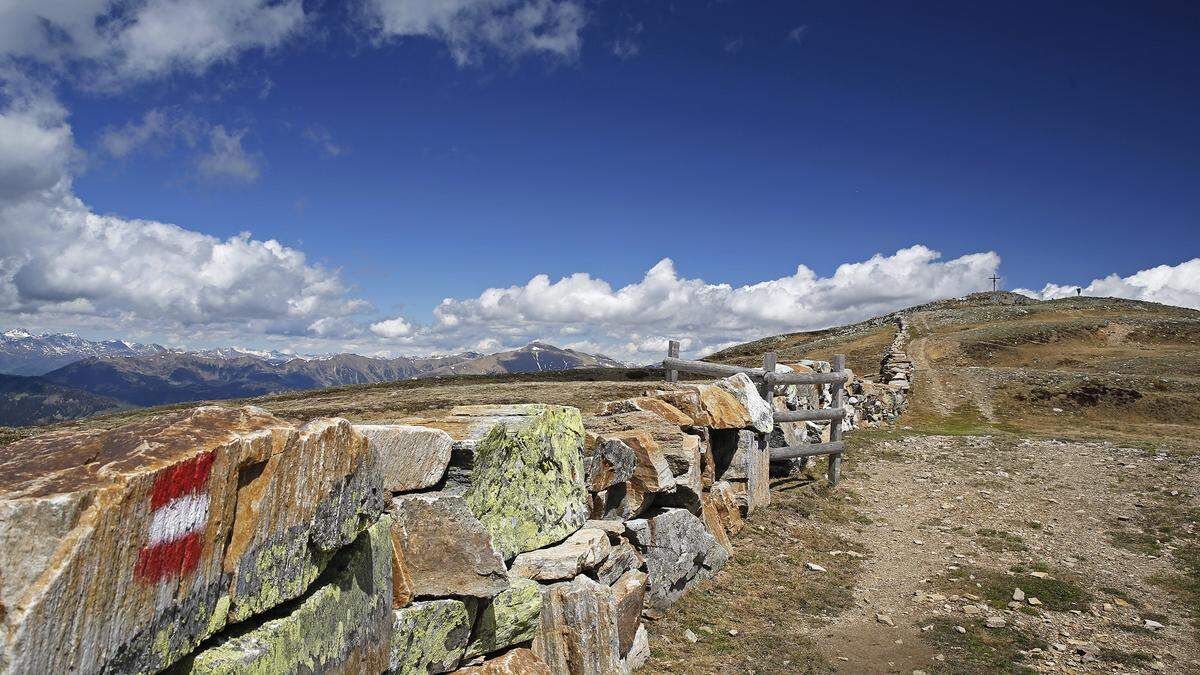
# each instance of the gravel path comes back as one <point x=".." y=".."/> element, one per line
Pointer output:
<point x="1050" y="504"/>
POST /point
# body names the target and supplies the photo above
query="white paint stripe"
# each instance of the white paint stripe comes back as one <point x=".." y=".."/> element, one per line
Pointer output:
<point x="178" y="518"/>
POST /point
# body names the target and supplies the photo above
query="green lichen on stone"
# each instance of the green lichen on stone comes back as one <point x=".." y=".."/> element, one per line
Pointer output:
<point x="429" y="637"/>
<point x="527" y="479"/>
<point x="511" y="617"/>
<point x="217" y="620"/>
<point x="274" y="573"/>
<point x="349" y="611"/>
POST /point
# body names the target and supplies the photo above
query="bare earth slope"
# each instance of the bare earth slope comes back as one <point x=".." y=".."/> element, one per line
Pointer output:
<point x="1048" y="455"/>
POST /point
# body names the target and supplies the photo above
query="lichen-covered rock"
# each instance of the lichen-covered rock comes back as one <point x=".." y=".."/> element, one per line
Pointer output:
<point x="657" y="406"/>
<point x="578" y="631"/>
<point x="679" y="552"/>
<point x="507" y="619"/>
<point x="429" y="637"/>
<point x="124" y="549"/>
<point x="411" y="458"/>
<point x="519" y="661"/>
<point x="762" y="417"/>
<point x="527" y="478"/>
<point x="445" y="549"/>
<point x="343" y="626"/>
<point x="581" y="552"/>
<point x="629" y="592"/>
<point x="607" y="461"/>
<point x="622" y="558"/>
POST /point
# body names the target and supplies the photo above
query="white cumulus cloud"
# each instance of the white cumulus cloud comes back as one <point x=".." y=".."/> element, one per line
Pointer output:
<point x="116" y="43"/>
<point x="469" y="28"/>
<point x="62" y="263"/>
<point x="634" y="322"/>
<point x="392" y="328"/>
<point x="1169" y="284"/>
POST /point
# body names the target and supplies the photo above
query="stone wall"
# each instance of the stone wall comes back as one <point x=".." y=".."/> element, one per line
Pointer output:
<point x="488" y="539"/>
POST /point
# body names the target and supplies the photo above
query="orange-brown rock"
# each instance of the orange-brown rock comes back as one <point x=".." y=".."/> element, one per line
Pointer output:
<point x="630" y="592"/>
<point x="680" y="450"/>
<point x="649" y="404"/>
<point x="124" y="549"/>
<point x="722" y="501"/>
<point x="518" y="661"/>
<point x="707" y="404"/>
<point x="714" y="524"/>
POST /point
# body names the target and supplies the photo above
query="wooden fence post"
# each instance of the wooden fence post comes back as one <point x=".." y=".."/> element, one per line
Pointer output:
<point x="673" y="352"/>
<point x="835" y="426"/>
<point x="766" y="389"/>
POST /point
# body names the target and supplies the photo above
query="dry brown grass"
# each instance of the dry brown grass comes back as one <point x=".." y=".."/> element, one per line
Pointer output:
<point x="863" y="346"/>
<point x="764" y="593"/>
<point x="586" y="390"/>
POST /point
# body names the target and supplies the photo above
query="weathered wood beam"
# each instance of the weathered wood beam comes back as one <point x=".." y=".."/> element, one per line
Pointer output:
<point x="809" y="415"/>
<point x="834" y="448"/>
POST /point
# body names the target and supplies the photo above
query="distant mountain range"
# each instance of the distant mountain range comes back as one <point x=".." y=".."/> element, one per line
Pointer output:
<point x="25" y="353"/>
<point x="102" y="376"/>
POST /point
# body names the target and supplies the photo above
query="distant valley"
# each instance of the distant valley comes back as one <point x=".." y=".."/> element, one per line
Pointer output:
<point x="89" y="377"/>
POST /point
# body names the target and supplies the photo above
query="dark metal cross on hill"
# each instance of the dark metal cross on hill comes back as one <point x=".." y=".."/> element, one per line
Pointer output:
<point x="994" y="279"/>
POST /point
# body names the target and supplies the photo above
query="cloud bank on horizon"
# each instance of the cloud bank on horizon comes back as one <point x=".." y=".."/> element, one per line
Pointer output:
<point x="64" y="266"/>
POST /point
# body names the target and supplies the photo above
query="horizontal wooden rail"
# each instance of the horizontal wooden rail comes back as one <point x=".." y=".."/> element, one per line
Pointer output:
<point x="806" y="378"/>
<point x="809" y="415"/>
<point x="808" y="450"/>
<point x="706" y="368"/>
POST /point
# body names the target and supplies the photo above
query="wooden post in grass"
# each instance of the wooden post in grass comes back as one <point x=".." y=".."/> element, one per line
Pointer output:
<point x="766" y="389"/>
<point x="673" y="352"/>
<point x="835" y="426"/>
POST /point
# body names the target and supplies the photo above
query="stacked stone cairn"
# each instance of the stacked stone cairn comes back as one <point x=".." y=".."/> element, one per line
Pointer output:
<point x="489" y="539"/>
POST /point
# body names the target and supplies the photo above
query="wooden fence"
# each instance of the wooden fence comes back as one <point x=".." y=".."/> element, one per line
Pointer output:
<point x="766" y="378"/>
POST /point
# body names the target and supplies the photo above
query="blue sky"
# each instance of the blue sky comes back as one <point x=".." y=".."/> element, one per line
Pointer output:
<point x="414" y="152"/>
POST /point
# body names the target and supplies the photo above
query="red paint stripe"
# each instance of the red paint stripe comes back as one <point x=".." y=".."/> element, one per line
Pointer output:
<point x="185" y="478"/>
<point x="171" y="559"/>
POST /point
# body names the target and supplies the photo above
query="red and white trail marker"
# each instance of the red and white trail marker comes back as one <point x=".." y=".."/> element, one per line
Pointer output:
<point x="178" y="515"/>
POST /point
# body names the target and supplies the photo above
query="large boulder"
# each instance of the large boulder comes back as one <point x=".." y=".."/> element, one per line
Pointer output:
<point x="429" y="637"/>
<point x="444" y="548"/>
<point x="122" y="550"/>
<point x="607" y="462"/>
<point x="343" y="626"/>
<point x="411" y="458"/>
<point x="762" y="417"/>
<point x="648" y="404"/>
<point x="581" y="552"/>
<point x="679" y="552"/>
<point x="681" y="484"/>
<point x="707" y="404"/>
<point x="526" y="478"/>
<point x="578" y="631"/>
<point x="507" y="619"/>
